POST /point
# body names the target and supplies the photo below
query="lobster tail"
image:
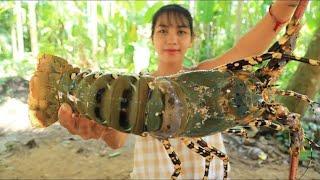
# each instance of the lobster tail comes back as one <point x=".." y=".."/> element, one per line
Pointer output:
<point x="43" y="97"/>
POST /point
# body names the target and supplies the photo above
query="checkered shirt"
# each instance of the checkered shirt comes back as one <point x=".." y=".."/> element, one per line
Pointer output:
<point x="151" y="160"/>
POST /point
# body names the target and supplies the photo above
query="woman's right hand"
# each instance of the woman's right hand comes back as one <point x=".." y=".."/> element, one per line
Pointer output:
<point x="89" y="129"/>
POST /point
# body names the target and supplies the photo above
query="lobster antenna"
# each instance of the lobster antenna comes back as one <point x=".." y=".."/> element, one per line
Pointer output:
<point x="273" y="85"/>
<point x="313" y="144"/>
<point x="307" y="168"/>
<point x="313" y="105"/>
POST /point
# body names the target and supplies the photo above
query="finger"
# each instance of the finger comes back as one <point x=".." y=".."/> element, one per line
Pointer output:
<point x="84" y="128"/>
<point x="106" y="135"/>
<point x="96" y="130"/>
<point x="76" y="121"/>
<point x="72" y="126"/>
<point x="67" y="119"/>
<point x="65" y="115"/>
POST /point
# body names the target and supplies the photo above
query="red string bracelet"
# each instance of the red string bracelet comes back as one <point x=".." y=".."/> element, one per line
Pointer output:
<point x="278" y="23"/>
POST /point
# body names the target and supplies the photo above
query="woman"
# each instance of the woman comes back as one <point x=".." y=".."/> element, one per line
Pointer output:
<point x="172" y="35"/>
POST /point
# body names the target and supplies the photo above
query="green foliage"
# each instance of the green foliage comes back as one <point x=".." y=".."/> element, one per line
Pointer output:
<point x="288" y="71"/>
<point x="151" y="10"/>
<point x="307" y="155"/>
<point x="6" y="19"/>
<point x="310" y="130"/>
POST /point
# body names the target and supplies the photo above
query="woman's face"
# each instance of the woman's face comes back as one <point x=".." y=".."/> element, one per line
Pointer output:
<point x="171" y="38"/>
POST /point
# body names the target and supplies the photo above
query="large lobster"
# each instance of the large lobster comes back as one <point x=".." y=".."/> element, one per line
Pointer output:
<point x="188" y="105"/>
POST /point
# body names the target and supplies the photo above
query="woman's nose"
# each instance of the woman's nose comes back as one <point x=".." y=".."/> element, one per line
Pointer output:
<point x="172" y="38"/>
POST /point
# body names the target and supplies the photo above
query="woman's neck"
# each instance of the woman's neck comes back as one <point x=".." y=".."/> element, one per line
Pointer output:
<point x="165" y="68"/>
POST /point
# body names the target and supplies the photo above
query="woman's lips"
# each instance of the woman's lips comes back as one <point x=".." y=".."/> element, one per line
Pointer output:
<point x="172" y="51"/>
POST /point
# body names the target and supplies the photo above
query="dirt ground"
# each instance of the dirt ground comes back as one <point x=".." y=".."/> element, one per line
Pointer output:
<point x="53" y="153"/>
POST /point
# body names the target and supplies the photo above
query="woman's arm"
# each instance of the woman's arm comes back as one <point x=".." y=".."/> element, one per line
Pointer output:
<point x="89" y="129"/>
<point x="259" y="38"/>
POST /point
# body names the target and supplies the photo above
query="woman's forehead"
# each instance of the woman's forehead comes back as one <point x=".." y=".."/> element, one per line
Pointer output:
<point x="172" y="19"/>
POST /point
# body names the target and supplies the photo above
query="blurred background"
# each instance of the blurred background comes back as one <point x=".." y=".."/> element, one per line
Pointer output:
<point x="114" y="36"/>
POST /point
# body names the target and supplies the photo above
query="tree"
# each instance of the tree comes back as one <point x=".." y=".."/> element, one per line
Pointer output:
<point x="306" y="79"/>
<point x="19" y="28"/>
<point x="33" y="27"/>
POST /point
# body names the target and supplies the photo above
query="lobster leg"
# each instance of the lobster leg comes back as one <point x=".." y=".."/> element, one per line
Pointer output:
<point x="207" y="152"/>
<point x="285" y="45"/>
<point x="297" y="136"/>
<point x="291" y="120"/>
<point x="204" y="153"/>
<point x="287" y="58"/>
<point x="246" y="63"/>
<point x="295" y="94"/>
<point x="217" y="153"/>
<point x="238" y="132"/>
<point x="267" y="123"/>
<point x="272" y="71"/>
<point x="287" y="42"/>
<point x="174" y="158"/>
<point x="281" y="60"/>
<point x="313" y="144"/>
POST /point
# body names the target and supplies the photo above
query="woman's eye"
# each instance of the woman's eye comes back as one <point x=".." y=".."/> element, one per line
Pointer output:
<point x="162" y="31"/>
<point x="182" y="32"/>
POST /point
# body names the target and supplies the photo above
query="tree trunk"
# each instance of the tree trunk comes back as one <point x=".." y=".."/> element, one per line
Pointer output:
<point x="192" y="8"/>
<point x="19" y="27"/>
<point x="106" y="12"/>
<point x="33" y="27"/>
<point x="92" y="26"/>
<point x="239" y="21"/>
<point x="14" y="42"/>
<point x="306" y="80"/>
